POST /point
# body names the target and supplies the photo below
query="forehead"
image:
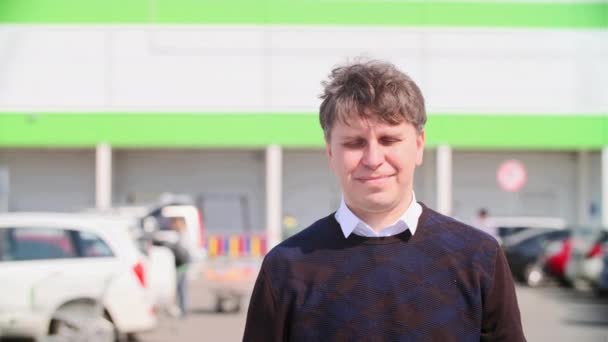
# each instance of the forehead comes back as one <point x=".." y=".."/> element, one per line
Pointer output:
<point x="359" y="126"/>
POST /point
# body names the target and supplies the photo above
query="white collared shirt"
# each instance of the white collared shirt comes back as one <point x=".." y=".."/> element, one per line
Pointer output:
<point x="350" y="223"/>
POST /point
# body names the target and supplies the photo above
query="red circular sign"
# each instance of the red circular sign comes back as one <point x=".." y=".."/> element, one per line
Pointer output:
<point x="511" y="175"/>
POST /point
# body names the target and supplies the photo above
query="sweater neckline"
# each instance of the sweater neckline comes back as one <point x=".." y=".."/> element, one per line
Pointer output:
<point x="404" y="236"/>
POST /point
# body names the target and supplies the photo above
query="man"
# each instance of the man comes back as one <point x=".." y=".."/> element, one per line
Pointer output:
<point x="383" y="267"/>
<point x="182" y="258"/>
<point x="485" y="223"/>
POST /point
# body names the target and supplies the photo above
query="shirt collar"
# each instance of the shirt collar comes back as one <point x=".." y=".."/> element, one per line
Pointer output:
<point x="348" y="220"/>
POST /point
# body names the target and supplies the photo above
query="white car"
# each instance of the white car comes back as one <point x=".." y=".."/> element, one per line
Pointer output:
<point x="55" y="264"/>
<point x="585" y="265"/>
<point x="509" y="227"/>
<point x="155" y="219"/>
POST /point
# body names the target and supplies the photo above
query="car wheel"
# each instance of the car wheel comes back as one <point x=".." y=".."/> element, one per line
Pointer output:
<point x="219" y="305"/>
<point x="601" y="293"/>
<point x="81" y="321"/>
<point x="235" y="306"/>
<point x="534" y="275"/>
<point x="131" y="337"/>
<point x="60" y="331"/>
<point x="228" y="305"/>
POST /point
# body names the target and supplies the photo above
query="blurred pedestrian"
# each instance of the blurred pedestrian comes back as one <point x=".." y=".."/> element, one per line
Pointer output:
<point x="182" y="259"/>
<point x="486" y="224"/>
<point x="383" y="267"/>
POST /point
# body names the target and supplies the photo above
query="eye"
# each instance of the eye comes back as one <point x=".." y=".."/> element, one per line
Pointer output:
<point x="354" y="143"/>
<point x="388" y="140"/>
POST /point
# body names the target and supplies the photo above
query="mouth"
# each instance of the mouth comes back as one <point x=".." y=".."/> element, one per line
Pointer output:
<point x="373" y="179"/>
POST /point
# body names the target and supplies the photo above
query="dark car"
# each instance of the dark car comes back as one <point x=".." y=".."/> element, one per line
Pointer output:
<point x="525" y="253"/>
<point x="602" y="284"/>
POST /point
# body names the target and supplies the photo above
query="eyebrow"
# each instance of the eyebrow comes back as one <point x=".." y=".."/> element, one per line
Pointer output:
<point x="351" y="137"/>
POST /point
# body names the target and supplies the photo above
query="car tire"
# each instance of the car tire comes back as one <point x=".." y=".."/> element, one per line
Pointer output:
<point x="601" y="293"/>
<point x="219" y="305"/>
<point x="236" y="305"/>
<point x="228" y="305"/>
<point x="61" y="328"/>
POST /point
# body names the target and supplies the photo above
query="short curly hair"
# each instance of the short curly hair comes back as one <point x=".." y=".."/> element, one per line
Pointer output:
<point x="371" y="89"/>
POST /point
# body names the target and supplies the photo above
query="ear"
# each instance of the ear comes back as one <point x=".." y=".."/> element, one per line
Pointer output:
<point x="420" y="147"/>
<point x="328" y="153"/>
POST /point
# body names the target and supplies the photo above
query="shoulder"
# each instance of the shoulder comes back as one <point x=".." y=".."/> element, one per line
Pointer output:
<point x="438" y="224"/>
<point x="301" y="252"/>
<point x="316" y="236"/>
<point x="446" y="235"/>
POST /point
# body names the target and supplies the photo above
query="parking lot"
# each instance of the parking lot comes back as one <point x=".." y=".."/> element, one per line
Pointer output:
<point x="558" y="314"/>
<point x="549" y="314"/>
<point x="202" y="323"/>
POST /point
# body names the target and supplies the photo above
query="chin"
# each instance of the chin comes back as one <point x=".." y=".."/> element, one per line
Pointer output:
<point x="377" y="202"/>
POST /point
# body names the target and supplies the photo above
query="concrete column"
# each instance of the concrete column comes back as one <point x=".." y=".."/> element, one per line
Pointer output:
<point x="444" y="179"/>
<point x="4" y="189"/>
<point x="583" y="187"/>
<point x="274" y="181"/>
<point x="103" y="176"/>
<point x="605" y="186"/>
<point x="429" y="176"/>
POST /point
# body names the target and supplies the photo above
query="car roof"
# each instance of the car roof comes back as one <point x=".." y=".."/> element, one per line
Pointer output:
<point x="81" y="221"/>
<point x="120" y="211"/>
<point x="529" y="222"/>
<point x="138" y="211"/>
<point x="530" y="234"/>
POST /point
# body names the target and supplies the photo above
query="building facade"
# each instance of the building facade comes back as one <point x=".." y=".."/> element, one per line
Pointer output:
<point x="109" y="102"/>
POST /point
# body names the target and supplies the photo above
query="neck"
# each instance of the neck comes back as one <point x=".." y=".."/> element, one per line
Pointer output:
<point x="380" y="219"/>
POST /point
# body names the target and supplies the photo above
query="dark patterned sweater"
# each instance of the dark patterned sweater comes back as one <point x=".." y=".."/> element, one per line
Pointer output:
<point x="448" y="282"/>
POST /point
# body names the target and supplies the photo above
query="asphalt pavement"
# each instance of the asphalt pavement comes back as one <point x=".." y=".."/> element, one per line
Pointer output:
<point x="549" y="314"/>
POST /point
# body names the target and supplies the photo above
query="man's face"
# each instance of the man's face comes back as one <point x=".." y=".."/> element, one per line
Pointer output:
<point x="375" y="162"/>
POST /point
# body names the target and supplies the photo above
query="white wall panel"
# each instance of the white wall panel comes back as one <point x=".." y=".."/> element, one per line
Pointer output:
<point x="51" y="67"/>
<point x="294" y="90"/>
<point x="275" y="68"/>
<point x="221" y="176"/>
<point x="550" y="189"/>
<point x="50" y="180"/>
<point x="310" y="190"/>
<point x="151" y="73"/>
<point x="507" y="85"/>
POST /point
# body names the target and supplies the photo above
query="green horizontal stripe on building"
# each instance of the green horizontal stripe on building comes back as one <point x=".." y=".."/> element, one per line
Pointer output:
<point x="292" y="130"/>
<point x="309" y="12"/>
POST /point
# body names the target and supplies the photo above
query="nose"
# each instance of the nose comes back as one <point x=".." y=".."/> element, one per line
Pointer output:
<point x="373" y="156"/>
